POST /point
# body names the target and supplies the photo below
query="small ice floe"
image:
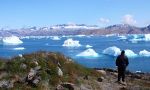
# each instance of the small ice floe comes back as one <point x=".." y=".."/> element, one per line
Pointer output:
<point x="144" y="53"/>
<point x="19" y="48"/>
<point x="55" y="38"/>
<point x="71" y="43"/>
<point x="88" y="53"/>
<point x="88" y="46"/>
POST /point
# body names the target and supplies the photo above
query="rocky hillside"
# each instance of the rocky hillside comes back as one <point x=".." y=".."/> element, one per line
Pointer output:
<point x="76" y="30"/>
<point x="54" y="71"/>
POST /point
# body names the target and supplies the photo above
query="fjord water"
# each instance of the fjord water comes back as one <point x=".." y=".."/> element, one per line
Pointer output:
<point x="98" y="43"/>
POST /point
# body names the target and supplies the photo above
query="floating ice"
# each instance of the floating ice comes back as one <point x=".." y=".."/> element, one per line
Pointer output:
<point x="140" y="37"/>
<point x="13" y="40"/>
<point x="80" y="35"/>
<point x="113" y="51"/>
<point x="130" y="53"/>
<point x="147" y="37"/>
<point x="19" y="48"/>
<point x="88" y="46"/>
<point x="88" y="53"/>
<point x="55" y="38"/>
<point x="138" y="71"/>
<point x="71" y="43"/>
<point x="144" y="53"/>
<point x="122" y="37"/>
<point x="110" y="35"/>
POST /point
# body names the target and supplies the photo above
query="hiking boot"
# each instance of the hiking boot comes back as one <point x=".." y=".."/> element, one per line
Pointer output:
<point x="119" y="82"/>
<point x="124" y="83"/>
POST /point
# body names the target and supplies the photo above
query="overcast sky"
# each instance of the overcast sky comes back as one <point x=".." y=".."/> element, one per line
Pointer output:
<point x="20" y="13"/>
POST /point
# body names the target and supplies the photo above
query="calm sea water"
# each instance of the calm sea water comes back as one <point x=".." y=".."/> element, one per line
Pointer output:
<point x="99" y="43"/>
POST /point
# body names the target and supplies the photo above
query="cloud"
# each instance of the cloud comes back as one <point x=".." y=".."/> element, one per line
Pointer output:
<point x="128" y="19"/>
<point x="104" y="20"/>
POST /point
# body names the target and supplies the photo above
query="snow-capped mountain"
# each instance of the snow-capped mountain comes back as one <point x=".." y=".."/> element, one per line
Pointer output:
<point x="75" y="29"/>
<point x="74" y="26"/>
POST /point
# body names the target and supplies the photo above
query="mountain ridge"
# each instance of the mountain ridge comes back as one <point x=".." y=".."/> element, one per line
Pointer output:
<point x="76" y="29"/>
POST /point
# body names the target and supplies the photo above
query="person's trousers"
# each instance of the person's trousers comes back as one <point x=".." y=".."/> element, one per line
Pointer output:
<point x="121" y="73"/>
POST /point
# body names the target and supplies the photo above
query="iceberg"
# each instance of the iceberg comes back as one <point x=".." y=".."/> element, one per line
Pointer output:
<point x="13" y="40"/>
<point x="130" y="53"/>
<point x="55" y="38"/>
<point x="147" y="37"/>
<point x="71" y="43"/>
<point x="19" y="48"/>
<point x="144" y="53"/>
<point x="113" y="51"/>
<point x="88" y="46"/>
<point x="88" y="53"/>
<point x="141" y="37"/>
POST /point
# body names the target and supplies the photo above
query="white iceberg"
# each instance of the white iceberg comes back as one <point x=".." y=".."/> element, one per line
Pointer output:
<point x="19" y="48"/>
<point x="88" y="46"/>
<point x="141" y="37"/>
<point x="147" y="37"/>
<point x="55" y="38"/>
<point x="130" y="53"/>
<point x="13" y="40"/>
<point x="71" y="43"/>
<point x="88" y="53"/>
<point x="113" y="51"/>
<point x="144" y="53"/>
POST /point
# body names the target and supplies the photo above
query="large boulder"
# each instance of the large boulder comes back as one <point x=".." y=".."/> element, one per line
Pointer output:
<point x="102" y="72"/>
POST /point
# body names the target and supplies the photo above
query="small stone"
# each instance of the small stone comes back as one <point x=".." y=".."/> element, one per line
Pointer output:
<point x="100" y="79"/>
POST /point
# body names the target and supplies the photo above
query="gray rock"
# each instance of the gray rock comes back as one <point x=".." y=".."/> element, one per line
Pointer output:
<point x="6" y="84"/>
<point x="36" y="80"/>
<point x="31" y="74"/>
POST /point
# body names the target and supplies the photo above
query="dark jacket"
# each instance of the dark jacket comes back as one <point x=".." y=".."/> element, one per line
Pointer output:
<point x="122" y="61"/>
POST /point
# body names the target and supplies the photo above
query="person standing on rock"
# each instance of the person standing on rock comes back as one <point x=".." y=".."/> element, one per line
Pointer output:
<point x="122" y="62"/>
